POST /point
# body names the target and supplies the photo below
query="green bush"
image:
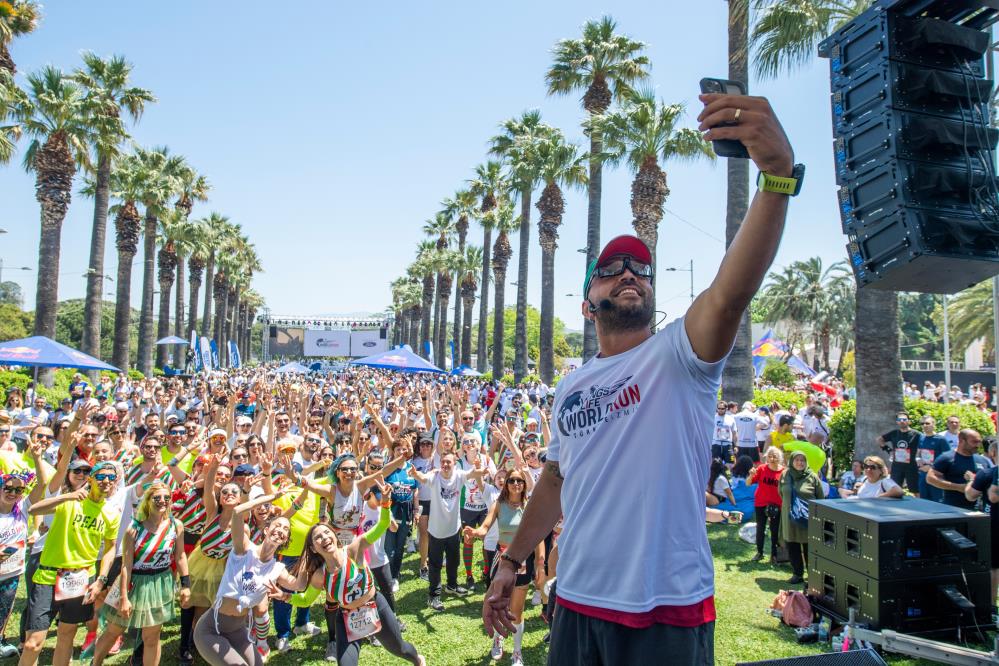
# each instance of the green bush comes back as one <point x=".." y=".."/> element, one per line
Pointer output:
<point x="135" y="375"/>
<point x="842" y="425"/>
<point x="508" y="380"/>
<point x="776" y="373"/>
<point x="531" y="378"/>
<point x="487" y="376"/>
<point x="158" y="372"/>
<point x="10" y="378"/>
<point x="783" y="398"/>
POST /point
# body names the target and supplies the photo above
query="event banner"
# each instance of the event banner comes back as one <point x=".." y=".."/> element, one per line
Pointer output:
<point x="234" y="361"/>
<point x="328" y="343"/>
<point x="206" y="354"/>
<point x="366" y="343"/>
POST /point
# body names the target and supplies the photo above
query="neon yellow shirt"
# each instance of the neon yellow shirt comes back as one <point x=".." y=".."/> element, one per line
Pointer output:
<point x="302" y="520"/>
<point x="779" y="439"/>
<point x="187" y="464"/>
<point x="74" y="540"/>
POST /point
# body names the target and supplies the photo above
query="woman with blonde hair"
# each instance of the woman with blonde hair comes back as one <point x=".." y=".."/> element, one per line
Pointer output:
<point x="507" y="512"/>
<point x="767" y="501"/>
<point x="876" y="483"/>
<point x="142" y="597"/>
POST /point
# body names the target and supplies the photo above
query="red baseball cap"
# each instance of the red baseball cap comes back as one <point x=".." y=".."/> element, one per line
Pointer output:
<point x="631" y="246"/>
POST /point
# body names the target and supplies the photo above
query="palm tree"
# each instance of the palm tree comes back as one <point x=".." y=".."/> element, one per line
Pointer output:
<point x="560" y="165"/>
<point x="471" y="268"/>
<point x="172" y="223"/>
<point x="462" y="207"/>
<point x="970" y="317"/>
<point x="738" y="373"/>
<point x="441" y="227"/>
<point x="161" y="172"/>
<point x="17" y="18"/>
<point x="488" y="185"/>
<point x="425" y="270"/>
<point x="504" y="223"/>
<point x="127" y="185"/>
<point x="193" y="187"/>
<point x="11" y="97"/>
<point x="253" y="302"/>
<point x="517" y="145"/>
<point x="109" y="96"/>
<point x="784" y="38"/>
<point x="605" y="65"/>
<point x="248" y="264"/>
<point x="217" y="229"/>
<point x="54" y="113"/>
<point x="448" y="262"/>
<point x="398" y="288"/>
<point x="197" y="258"/>
<point x="644" y="131"/>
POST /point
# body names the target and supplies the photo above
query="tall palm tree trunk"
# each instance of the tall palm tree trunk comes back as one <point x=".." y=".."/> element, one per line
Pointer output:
<point x="220" y="291"/>
<point x="54" y="168"/>
<point x="442" y="355"/>
<point x="462" y="229"/>
<point x="427" y="309"/>
<point x="648" y="195"/>
<point x="435" y="336"/>
<point x="499" y="366"/>
<point x="196" y="270"/>
<point x="236" y="325"/>
<point x="520" y="328"/>
<point x="415" y="323"/>
<point x="594" y="190"/>
<point x="128" y="226"/>
<point x="879" y="370"/>
<point x="91" y="343"/>
<point x="206" y="315"/>
<point x="480" y="348"/>
<point x="546" y="340"/>
<point x="178" y="321"/>
<point x="163" y="322"/>
<point x="737" y="376"/>
<point x="468" y="302"/>
<point x="145" y="352"/>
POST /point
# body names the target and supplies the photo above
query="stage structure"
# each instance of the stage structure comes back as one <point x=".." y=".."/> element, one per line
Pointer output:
<point x="317" y="337"/>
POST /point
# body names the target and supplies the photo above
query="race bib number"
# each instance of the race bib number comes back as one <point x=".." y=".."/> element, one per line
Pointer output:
<point x="71" y="583"/>
<point x="926" y="456"/>
<point x="902" y="455"/>
<point x="113" y="598"/>
<point x="723" y="435"/>
<point x="14" y="563"/>
<point x="362" y="622"/>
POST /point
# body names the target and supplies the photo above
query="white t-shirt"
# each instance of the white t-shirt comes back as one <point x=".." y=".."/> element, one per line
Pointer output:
<point x="951" y="438"/>
<point x="345" y="515"/>
<point x="868" y="489"/>
<point x="445" y="495"/>
<point x="424" y="466"/>
<point x="724" y="429"/>
<point x="721" y="485"/>
<point x="376" y="551"/>
<point x="14" y="534"/>
<point x="745" y="428"/>
<point x="643" y="410"/>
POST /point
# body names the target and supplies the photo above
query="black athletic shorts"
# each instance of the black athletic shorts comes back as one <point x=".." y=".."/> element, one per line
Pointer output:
<point x="425" y="508"/>
<point x="473" y="518"/>
<point x="752" y="451"/>
<point x="113" y="572"/>
<point x="578" y="639"/>
<point x="907" y="475"/>
<point x="722" y="452"/>
<point x="43" y="609"/>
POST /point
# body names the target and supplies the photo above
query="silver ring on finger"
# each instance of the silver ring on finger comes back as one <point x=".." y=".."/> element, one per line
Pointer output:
<point x="738" y="112"/>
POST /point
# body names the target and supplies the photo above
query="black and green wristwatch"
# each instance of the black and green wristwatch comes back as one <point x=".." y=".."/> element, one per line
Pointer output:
<point x="780" y="184"/>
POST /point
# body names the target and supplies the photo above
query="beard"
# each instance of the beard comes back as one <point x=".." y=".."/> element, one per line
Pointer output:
<point x="615" y="318"/>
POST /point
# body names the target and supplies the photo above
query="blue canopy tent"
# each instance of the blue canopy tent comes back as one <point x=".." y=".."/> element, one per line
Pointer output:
<point x="402" y="360"/>
<point x="293" y="366"/>
<point x="41" y="352"/>
<point x="172" y="340"/>
<point x="465" y="371"/>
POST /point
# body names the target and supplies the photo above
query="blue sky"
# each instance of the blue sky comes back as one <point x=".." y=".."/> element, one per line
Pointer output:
<point x="331" y="131"/>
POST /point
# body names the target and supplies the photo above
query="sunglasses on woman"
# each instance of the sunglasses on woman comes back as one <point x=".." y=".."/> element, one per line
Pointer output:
<point x="14" y="490"/>
<point x="517" y="481"/>
<point x="105" y="477"/>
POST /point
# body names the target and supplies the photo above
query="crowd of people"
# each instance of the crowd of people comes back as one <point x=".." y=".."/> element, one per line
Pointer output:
<point x="230" y="502"/>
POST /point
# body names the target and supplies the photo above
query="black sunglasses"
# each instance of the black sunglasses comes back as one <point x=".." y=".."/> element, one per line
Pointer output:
<point x="14" y="490"/>
<point x="617" y="266"/>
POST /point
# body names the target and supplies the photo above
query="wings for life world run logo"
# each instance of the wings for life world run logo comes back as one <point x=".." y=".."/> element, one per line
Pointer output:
<point x="583" y="411"/>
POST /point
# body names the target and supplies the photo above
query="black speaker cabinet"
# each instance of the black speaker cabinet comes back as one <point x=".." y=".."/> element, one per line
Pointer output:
<point x="851" y="658"/>
<point x="924" y="605"/>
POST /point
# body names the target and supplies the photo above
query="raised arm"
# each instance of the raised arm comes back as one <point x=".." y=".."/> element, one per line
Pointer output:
<point x="713" y="319"/>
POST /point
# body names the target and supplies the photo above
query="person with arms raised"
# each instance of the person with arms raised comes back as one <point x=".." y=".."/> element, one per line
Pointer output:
<point x="627" y="605"/>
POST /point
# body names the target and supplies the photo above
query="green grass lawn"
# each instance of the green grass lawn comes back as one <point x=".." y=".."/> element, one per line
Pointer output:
<point x="744" y="632"/>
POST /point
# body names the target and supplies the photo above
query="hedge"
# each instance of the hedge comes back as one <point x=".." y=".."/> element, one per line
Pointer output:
<point x="783" y="398"/>
<point x="842" y="425"/>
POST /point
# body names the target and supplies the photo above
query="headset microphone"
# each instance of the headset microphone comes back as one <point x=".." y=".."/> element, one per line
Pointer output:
<point x="605" y="304"/>
<point x="592" y="308"/>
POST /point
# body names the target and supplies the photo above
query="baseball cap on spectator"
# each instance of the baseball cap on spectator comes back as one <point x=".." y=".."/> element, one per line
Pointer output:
<point x="786" y="419"/>
<point x="244" y="470"/>
<point x="172" y="417"/>
<point x="255" y="492"/>
<point x="66" y="400"/>
<point x="79" y="463"/>
<point x="244" y="420"/>
<point x="217" y="432"/>
<point x="121" y="406"/>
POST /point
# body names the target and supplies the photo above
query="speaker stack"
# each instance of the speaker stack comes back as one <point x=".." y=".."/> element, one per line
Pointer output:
<point x="910" y="565"/>
<point x="914" y="150"/>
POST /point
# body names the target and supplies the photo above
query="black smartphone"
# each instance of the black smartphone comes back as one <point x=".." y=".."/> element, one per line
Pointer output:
<point x="726" y="147"/>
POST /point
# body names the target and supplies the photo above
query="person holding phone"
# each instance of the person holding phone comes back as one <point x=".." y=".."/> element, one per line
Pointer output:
<point x="623" y="606"/>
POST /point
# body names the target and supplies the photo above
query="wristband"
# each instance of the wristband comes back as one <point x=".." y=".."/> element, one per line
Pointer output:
<point x="516" y="563"/>
<point x="185" y="582"/>
<point x="172" y="462"/>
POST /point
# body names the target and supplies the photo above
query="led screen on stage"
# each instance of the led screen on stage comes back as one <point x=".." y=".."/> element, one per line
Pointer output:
<point x="327" y="343"/>
<point x="286" y="341"/>
<point x="366" y="343"/>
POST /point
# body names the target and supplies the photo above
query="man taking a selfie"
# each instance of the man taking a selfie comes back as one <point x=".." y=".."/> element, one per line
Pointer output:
<point x="621" y="598"/>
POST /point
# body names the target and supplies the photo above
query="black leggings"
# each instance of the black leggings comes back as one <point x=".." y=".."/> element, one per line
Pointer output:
<point x="798" y="552"/>
<point x="348" y="652"/>
<point x="383" y="579"/>
<point x="761" y="529"/>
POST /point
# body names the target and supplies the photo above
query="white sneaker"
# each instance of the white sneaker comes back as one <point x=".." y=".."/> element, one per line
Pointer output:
<point x="395" y="586"/>
<point x="307" y="629"/>
<point x="516" y="660"/>
<point x="497" y="652"/>
<point x="283" y="645"/>
<point x="264" y="649"/>
<point x="410" y="546"/>
<point x="331" y="651"/>
<point x="536" y="599"/>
